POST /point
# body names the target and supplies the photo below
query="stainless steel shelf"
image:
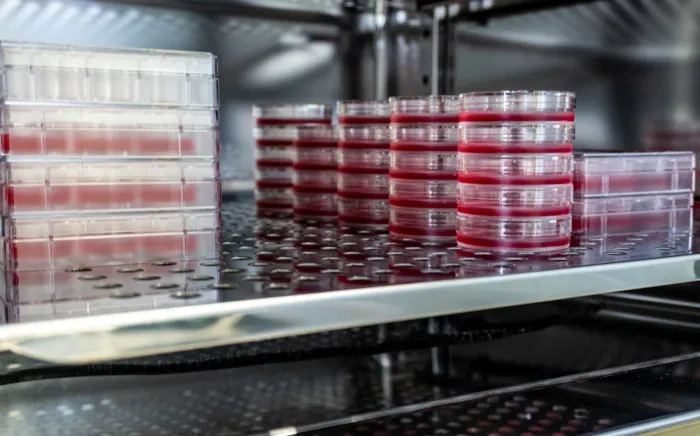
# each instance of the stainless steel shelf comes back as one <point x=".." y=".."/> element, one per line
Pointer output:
<point x="277" y="279"/>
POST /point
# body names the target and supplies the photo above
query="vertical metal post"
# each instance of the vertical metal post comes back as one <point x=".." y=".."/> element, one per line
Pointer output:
<point x="381" y="50"/>
<point x="442" y="52"/>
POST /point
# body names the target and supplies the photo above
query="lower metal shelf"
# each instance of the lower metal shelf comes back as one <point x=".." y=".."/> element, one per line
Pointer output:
<point x="276" y="278"/>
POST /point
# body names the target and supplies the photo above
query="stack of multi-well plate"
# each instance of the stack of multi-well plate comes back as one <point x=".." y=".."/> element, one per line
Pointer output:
<point x="110" y="157"/>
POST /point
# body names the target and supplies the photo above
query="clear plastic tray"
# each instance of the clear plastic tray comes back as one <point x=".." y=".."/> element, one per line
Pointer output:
<point x="358" y="212"/>
<point x="437" y="224"/>
<point x="514" y="235"/>
<point x="35" y="187"/>
<point x="128" y="282"/>
<point x="310" y="181"/>
<point x="363" y="161"/>
<point x="510" y="138"/>
<point x="423" y="164"/>
<point x="71" y="74"/>
<point x="356" y="112"/>
<point x="633" y="173"/>
<point x="515" y="169"/>
<point x="101" y="131"/>
<point x="518" y="105"/>
<point x="514" y="200"/>
<point x="425" y="109"/>
<point x="423" y="193"/>
<point x="316" y="206"/>
<point x="632" y="213"/>
<point x="370" y="186"/>
<point x="72" y="241"/>
<point x="292" y="114"/>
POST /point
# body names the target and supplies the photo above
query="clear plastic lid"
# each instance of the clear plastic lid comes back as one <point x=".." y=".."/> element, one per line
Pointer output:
<point x="530" y="200"/>
<point x="423" y="135"/>
<point x="363" y="136"/>
<point x="612" y="163"/>
<point x="423" y="165"/>
<point x="363" y="161"/>
<point x="598" y="174"/>
<point x="363" y="112"/>
<point x="370" y="186"/>
<point x="275" y="135"/>
<point x="519" y="169"/>
<point x="632" y="203"/>
<point x="423" y="191"/>
<point x="70" y="74"/>
<point x="27" y="55"/>
<point x="518" y="101"/>
<point x="316" y="136"/>
<point x="281" y="114"/>
<point x="426" y="109"/>
<point x="100" y="117"/>
<point x="517" y="134"/>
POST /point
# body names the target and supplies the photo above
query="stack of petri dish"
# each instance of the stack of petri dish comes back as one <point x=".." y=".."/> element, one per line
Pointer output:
<point x="515" y="171"/>
<point x="275" y="132"/>
<point x="113" y="160"/>
<point x="423" y="168"/>
<point x="626" y="193"/>
<point x="315" y="173"/>
<point x="363" y="163"/>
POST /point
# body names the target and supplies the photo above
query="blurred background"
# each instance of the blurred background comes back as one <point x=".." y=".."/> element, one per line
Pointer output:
<point x="631" y="62"/>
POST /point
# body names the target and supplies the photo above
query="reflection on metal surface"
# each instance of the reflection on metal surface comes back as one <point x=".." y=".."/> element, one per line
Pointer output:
<point x="285" y="280"/>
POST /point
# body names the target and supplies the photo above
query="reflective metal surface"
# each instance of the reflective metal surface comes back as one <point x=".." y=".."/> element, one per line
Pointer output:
<point x="277" y="278"/>
<point x="487" y="391"/>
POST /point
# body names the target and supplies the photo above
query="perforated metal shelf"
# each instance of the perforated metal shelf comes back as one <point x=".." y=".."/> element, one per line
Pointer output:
<point x="275" y="278"/>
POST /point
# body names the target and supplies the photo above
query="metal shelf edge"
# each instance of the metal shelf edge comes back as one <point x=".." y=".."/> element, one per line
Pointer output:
<point x="119" y="336"/>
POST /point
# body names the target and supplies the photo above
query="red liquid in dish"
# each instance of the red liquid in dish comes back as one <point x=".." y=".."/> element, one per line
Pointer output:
<point x="423" y="146"/>
<point x="314" y="166"/>
<point x="315" y="143"/>
<point x="274" y="142"/>
<point x="423" y="175"/>
<point x="479" y="179"/>
<point x="291" y="121"/>
<point x="516" y="148"/>
<point x="91" y="197"/>
<point x="423" y="118"/>
<point x="274" y="204"/>
<point x="473" y="242"/>
<point x="273" y="163"/>
<point x="107" y="143"/>
<point x="359" y="119"/>
<point x="474" y="208"/>
<point x="66" y="252"/>
<point x="423" y="204"/>
<point x="485" y="116"/>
